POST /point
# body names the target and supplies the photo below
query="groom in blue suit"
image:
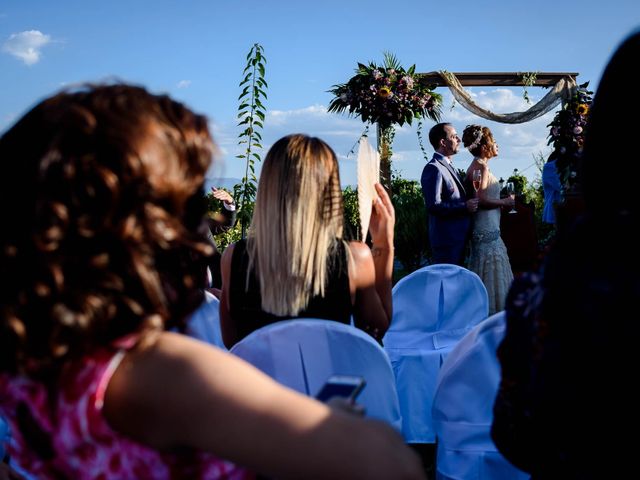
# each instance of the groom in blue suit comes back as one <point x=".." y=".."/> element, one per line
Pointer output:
<point x="445" y="197"/>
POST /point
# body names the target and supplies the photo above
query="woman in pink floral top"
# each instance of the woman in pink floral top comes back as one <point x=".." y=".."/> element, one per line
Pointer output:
<point x="84" y="445"/>
<point x="103" y="250"/>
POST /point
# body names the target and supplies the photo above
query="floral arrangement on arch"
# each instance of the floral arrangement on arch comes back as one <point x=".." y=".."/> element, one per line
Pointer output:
<point x="566" y="135"/>
<point x="386" y="95"/>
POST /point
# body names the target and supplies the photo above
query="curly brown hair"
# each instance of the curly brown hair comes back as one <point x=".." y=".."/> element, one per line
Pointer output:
<point x="102" y="202"/>
<point x="475" y="137"/>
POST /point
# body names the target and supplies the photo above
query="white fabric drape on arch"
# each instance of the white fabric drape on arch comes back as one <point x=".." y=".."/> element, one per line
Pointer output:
<point x="562" y="90"/>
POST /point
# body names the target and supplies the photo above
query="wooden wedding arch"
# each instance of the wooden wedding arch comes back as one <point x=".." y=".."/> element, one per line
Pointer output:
<point x="498" y="79"/>
<point x="480" y="79"/>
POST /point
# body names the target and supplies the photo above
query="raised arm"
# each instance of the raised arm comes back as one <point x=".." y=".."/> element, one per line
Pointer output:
<point x="226" y="218"/>
<point x="218" y="403"/>
<point x="484" y="201"/>
<point x="370" y="278"/>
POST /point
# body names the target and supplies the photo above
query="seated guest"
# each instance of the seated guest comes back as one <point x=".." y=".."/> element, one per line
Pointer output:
<point x="295" y="262"/>
<point x="219" y="223"/>
<point x="552" y="189"/>
<point x="103" y="249"/>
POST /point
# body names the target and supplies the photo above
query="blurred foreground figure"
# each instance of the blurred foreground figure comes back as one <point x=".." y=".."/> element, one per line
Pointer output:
<point x="103" y="249"/>
<point x="570" y="352"/>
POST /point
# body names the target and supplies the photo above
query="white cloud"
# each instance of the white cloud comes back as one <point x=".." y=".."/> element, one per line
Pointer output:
<point x="26" y="45"/>
<point x="283" y="117"/>
<point x="184" y="83"/>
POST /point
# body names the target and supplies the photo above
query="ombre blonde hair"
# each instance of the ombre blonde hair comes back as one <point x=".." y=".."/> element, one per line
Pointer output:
<point x="297" y="223"/>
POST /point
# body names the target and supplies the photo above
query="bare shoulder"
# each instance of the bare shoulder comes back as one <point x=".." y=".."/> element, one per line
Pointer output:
<point x="363" y="271"/>
<point x="360" y="251"/>
<point x="170" y="355"/>
<point x="482" y="166"/>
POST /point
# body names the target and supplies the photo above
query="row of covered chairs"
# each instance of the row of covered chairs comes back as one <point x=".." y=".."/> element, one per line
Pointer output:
<point x="435" y="378"/>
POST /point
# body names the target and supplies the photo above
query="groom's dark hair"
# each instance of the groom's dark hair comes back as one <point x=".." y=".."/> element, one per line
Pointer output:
<point x="437" y="133"/>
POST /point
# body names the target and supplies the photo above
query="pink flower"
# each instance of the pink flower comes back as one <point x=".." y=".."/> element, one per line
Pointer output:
<point x="577" y="130"/>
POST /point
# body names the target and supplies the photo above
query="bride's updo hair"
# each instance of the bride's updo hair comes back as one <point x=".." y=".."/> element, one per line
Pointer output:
<point x="474" y="137"/>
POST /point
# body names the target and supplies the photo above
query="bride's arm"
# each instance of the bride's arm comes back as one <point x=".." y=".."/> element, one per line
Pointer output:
<point x="484" y="201"/>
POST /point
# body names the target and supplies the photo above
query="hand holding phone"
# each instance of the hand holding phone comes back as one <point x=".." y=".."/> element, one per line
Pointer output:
<point x="345" y="386"/>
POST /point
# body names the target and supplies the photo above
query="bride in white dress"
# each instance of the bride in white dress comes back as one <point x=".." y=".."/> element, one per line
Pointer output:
<point x="488" y="257"/>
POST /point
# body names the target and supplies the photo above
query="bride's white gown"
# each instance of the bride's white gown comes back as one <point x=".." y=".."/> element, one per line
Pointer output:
<point x="488" y="256"/>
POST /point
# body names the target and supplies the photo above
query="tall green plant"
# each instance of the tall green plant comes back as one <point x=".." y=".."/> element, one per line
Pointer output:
<point x="251" y="115"/>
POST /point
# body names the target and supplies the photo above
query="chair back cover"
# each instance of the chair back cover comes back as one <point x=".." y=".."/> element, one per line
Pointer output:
<point x="204" y="323"/>
<point x="303" y="353"/>
<point x="463" y="408"/>
<point x="433" y="308"/>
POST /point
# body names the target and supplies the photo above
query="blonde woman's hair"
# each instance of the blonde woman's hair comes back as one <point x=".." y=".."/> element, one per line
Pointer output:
<point x="297" y="223"/>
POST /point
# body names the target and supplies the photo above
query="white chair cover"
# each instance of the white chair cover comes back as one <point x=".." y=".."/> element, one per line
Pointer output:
<point x="463" y="408"/>
<point x="204" y="323"/>
<point x="303" y="353"/>
<point x="432" y="309"/>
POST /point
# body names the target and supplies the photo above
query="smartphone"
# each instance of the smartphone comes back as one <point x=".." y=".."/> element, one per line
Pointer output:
<point x="347" y="386"/>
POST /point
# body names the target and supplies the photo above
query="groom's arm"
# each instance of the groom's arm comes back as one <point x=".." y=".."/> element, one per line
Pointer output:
<point x="432" y="182"/>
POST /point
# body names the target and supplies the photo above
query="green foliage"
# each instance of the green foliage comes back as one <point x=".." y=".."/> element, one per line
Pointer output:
<point x="520" y="183"/>
<point x="421" y="141"/>
<point x="386" y="94"/>
<point x="566" y="135"/>
<point x="251" y="115"/>
<point x="230" y="236"/>
<point x="545" y="231"/>
<point x="351" y="214"/>
<point x="528" y="80"/>
<point x="234" y="233"/>
<point x="411" y="233"/>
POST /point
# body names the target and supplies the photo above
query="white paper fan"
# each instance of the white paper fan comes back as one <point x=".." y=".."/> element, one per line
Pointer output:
<point x="368" y="176"/>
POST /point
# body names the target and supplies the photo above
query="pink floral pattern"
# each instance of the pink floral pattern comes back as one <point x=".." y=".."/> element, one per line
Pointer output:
<point x="84" y="445"/>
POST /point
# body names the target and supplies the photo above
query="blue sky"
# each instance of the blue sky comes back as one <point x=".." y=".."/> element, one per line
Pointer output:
<point x="195" y="50"/>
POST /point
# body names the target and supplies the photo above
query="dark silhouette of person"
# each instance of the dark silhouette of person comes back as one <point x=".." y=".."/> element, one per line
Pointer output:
<point x="567" y="396"/>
